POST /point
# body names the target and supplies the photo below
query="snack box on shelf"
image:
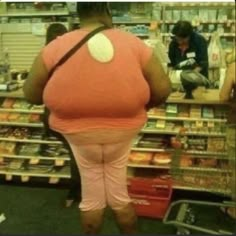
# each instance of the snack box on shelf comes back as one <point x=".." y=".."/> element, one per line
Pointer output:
<point x="7" y="147"/>
<point x="143" y="158"/>
<point x="8" y="103"/>
<point x="186" y="161"/>
<point x="207" y="162"/>
<point x="161" y="159"/>
<point x="216" y="144"/>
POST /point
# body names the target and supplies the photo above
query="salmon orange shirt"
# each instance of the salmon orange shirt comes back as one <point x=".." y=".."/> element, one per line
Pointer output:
<point x="86" y="94"/>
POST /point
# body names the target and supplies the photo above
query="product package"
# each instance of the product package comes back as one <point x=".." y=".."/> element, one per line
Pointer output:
<point x="7" y="147"/>
<point x="214" y="51"/>
<point x="161" y="159"/>
<point x="4" y="117"/>
<point x="29" y="149"/>
<point x="8" y="103"/>
<point x="140" y="158"/>
<point x="172" y="110"/>
<point x="186" y="161"/>
<point x="216" y="144"/>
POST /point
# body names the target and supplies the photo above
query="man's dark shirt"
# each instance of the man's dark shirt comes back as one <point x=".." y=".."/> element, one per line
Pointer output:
<point x="197" y="50"/>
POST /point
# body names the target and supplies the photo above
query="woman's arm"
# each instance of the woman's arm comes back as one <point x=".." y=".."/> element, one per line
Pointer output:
<point x="227" y="87"/>
<point x="158" y="81"/>
<point x="36" y="81"/>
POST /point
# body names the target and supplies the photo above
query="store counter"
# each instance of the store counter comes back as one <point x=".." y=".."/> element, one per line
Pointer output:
<point x="201" y="96"/>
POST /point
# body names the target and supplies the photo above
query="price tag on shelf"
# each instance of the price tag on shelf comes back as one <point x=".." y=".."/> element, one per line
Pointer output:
<point x="24" y="178"/>
<point x="59" y="162"/>
<point x="199" y="124"/>
<point x="53" y="180"/>
<point x="8" y="177"/>
<point x="210" y="124"/>
<point x="34" y="161"/>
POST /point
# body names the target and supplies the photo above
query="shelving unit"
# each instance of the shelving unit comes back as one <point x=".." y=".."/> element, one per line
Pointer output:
<point x="170" y="132"/>
<point x="206" y="162"/>
<point x="219" y="155"/>
<point x="30" y="174"/>
<point x="15" y="140"/>
<point x="164" y="27"/>
<point x="31" y="159"/>
<point x="35" y="14"/>
<point x="24" y="111"/>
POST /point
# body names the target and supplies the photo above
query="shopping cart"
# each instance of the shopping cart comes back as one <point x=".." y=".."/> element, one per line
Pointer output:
<point x="183" y="214"/>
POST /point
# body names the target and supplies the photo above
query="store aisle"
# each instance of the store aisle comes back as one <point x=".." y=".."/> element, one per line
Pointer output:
<point x="40" y="211"/>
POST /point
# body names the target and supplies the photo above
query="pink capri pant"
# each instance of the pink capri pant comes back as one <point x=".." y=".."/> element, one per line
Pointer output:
<point x="103" y="170"/>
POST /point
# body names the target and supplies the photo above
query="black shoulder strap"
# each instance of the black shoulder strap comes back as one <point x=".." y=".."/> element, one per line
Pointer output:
<point x="76" y="48"/>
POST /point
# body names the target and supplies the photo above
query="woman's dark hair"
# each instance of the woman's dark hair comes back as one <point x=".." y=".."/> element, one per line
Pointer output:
<point x="89" y="9"/>
<point x="54" y="30"/>
<point x="182" y="29"/>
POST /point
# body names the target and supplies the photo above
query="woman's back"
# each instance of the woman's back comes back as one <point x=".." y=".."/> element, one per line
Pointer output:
<point x="86" y="89"/>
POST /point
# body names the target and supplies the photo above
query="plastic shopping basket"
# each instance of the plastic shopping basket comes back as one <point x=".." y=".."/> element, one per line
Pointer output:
<point x="151" y="197"/>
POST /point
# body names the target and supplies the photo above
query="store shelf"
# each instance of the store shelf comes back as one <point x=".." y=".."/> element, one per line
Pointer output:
<point x="33" y="125"/>
<point x="199" y="4"/>
<point x="223" y="155"/>
<point x="203" y="22"/>
<point x="125" y="22"/>
<point x="218" y="155"/>
<point x="167" y="132"/>
<point x="198" y="169"/>
<point x="35" y="14"/>
<point x="14" y="94"/>
<point x="185" y="119"/>
<point x="32" y="174"/>
<point x="187" y="188"/>
<point x="15" y="140"/>
<point x="25" y="111"/>
<point x="132" y="21"/>
<point x="205" y="153"/>
<point x="149" y="166"/>
<point x="204" y="34"/>
<point x="35" y="157"/>
<point x="139" y="149"/>
<point x="142" y="35"/>
<point x="221" y="35"/>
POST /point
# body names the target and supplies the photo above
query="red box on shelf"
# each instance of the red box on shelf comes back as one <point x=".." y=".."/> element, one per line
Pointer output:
<point x="151" y="197"/>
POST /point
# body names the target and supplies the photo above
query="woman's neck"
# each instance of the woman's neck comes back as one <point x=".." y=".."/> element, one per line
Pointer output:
<point x="93" y="23"/>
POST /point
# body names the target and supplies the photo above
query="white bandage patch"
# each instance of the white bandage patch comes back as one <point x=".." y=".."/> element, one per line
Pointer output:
<point x="101" y="48"/>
